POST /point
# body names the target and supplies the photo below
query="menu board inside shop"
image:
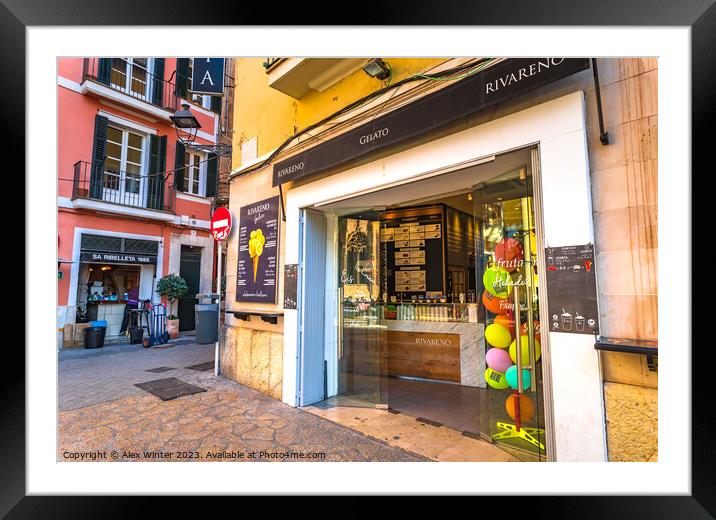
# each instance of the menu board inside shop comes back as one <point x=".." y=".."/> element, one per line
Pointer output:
<point x="413" y="240"/>
<point x="257" y="269"/>
<point x="572" y="289"/>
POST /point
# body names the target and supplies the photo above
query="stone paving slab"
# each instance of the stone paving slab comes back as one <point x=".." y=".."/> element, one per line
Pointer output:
<point x="169" y="388"/>
<point x="221" y="424"/>
<point x="426" y="438"/>
<point x="201" y="367"/>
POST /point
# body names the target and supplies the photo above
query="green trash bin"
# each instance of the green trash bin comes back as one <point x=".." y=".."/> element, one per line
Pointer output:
<point x="206" y="316"/>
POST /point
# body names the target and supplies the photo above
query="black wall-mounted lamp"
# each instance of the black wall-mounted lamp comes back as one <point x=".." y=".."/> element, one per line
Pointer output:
<point x="377" y="68"/>
<point x="186" y="124"/>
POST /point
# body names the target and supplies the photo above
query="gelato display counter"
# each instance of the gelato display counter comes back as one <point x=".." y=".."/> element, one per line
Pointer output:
<point x="435" y="342"/>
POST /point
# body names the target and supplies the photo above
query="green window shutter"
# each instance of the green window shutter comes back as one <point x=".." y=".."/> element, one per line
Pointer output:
<point x="104" y="69"/>
<point x="157" y="169"/>
<point x="212" y="177"/>
<point x="158" y="82"/>
<point x="99" y="152"/>
<point x="216" y="102"/>
<point x="179" y="166"/>
<point x="182" y="81"/>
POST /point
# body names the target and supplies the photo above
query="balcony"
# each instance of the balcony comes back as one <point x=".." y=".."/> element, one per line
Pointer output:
<point x="270" y="62"/>
<point x="133" y="79"/>
<point x="99" y="188"/>
<point x="297" y="77"/>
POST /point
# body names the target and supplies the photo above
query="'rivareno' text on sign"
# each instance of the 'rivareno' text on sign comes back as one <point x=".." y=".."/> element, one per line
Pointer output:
<point x="505" y="80"/>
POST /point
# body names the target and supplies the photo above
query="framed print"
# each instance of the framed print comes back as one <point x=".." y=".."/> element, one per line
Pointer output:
<point x="554" y="158"/>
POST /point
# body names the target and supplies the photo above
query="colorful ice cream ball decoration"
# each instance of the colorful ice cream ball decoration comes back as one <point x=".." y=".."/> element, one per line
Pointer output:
<point x="498" y="360"/>
<point x="509" y="254"/>
<point x="498" y="336"/>
<point x="497" y="281"/>
<point x="533" y="243"/>
<point x="527" y="407"/>
<point x="525" y="350"/>
<point x="511" y="377"/>
<point x="505" y="321"/>
<point x="496" y="305"/>
<point x="535" y="328"/>
<point x="496" y="379"/>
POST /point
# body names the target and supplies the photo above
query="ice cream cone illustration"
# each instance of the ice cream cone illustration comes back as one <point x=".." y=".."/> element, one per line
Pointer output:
<point x="256" y="247"/>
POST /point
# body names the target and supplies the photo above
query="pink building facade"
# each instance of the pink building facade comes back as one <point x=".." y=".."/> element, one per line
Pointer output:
<point x="133" y="202"/>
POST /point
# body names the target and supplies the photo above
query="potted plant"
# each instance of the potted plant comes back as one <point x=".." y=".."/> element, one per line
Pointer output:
<point x="172" y="287"/>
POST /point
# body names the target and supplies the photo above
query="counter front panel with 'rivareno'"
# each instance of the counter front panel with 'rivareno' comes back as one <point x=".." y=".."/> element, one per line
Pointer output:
<point x="439" y="351"/>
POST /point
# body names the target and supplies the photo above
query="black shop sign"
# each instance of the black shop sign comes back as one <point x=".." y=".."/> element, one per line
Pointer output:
<point x="116" y="258"/>
<point x="505" y="80"/>
<point x="207" y="76"/>
<point x="257" y="268"/>
<point x="572" y="289"/>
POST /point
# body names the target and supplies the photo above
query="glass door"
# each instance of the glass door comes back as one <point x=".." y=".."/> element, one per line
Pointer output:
<point x="361" y="330"/>
<point x="512" y="412"/>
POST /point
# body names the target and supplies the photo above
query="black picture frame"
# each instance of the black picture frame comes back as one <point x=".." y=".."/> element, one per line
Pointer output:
<point x="700" y="15"/>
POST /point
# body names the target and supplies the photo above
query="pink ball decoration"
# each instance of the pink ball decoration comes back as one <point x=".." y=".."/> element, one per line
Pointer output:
<point x="498" y="359"/>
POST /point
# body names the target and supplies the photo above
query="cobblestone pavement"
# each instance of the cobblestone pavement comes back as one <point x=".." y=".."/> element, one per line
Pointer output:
<point x="229" y="419"/>
<point x="88" y="377"/>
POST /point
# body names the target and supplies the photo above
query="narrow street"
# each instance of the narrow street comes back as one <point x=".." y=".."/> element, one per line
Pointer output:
<point x="101" y="412"/>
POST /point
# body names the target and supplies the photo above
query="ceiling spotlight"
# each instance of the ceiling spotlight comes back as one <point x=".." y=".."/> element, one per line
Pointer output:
<point x="377" y="68"/>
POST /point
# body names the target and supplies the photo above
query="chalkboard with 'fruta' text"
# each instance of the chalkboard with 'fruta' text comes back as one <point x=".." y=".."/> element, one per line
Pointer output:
<point x="572" y="289"/>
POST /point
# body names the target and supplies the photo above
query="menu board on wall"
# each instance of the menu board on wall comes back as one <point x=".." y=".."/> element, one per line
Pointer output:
<point x="290" y="286"/>
<point x="257" y="269"/>
<point x="572" y="289"/>
<point x="413" y="241"/>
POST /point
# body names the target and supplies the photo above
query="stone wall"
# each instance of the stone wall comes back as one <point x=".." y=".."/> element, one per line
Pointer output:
<point x="253" y="358"/>
<point x="624" y="202"/>
<point x="624" y="199"/>
<point x="632" y="422"/>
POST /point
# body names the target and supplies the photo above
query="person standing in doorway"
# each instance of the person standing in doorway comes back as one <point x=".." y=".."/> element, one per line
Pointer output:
<point x="131" y="303"/>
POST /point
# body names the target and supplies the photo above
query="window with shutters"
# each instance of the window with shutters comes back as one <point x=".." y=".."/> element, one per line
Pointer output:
<point x="131" y="75"/>
<point x="123" y="180"/>
<point x="194" y="173"/>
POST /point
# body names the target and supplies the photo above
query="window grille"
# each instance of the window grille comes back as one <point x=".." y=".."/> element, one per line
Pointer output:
<point x="101" y="243"/>
<point x="148" y="247"/>
<point x="119" y="245"/>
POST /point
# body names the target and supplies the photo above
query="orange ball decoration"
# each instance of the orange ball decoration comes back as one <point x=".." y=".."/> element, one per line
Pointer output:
<point x="505" y="321"/>
<point x="536" y="328"/>
<point x="496" y="305"/>
<point x="527" y="407"/>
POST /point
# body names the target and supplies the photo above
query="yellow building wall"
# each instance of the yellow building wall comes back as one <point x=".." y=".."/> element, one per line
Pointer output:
<point x="272" y="116"/>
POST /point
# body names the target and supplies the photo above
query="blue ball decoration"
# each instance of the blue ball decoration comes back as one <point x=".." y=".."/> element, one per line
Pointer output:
<point x="511" y="377"/>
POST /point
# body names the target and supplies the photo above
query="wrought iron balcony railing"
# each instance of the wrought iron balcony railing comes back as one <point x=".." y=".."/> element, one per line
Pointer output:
<point x="133" y="78"/>
<point x="95" y="181"/>
<point x="270" y="62"/>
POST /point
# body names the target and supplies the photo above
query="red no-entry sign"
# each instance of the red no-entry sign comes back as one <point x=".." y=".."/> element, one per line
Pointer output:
<point x="221" y="223"/>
